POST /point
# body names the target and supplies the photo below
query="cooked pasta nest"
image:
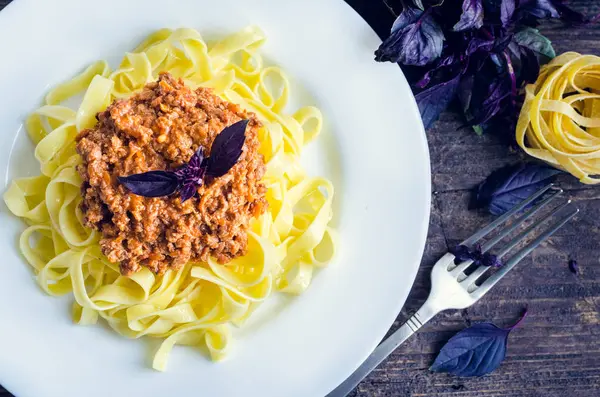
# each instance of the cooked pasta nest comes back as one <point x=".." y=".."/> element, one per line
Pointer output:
<point x="560" y="118"/>
<point x="198" y="304"/>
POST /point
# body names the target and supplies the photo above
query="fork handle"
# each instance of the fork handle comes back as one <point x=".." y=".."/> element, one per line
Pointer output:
<point x="381" y="352"/>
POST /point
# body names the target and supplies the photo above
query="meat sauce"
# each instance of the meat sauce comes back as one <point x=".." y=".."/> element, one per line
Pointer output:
<point x="160" y="128"/>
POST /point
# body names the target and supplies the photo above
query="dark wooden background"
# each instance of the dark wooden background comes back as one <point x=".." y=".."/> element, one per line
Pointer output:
<point x="556" y="352"/>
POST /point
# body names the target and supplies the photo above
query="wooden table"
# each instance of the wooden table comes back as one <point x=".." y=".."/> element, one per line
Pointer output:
<point x="556" y="352"/>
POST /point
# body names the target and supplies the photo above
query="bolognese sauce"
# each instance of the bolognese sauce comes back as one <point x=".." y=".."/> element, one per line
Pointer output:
<point x="160" y="128"/>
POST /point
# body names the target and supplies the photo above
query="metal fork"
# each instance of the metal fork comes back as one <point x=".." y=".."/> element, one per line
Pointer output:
<point x="452" y="288"/>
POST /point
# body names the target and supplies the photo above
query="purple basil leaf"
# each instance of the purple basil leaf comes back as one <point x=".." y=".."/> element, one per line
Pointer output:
<point x="151" y="184"/>
<point x="532" y="39"/>
<point x="573" y="266"/>
<point x="527" y="64"/>
<point x="508" y="186"/>
<point x="478" y="44"/>
<point x="501" y="43"/>
<point x="197" y="159"/>
<point x="389" y="50"/>
<point x="408" y="16"/>
<point x="482" y="113"/>
<point x="488" y="97"/>
<point x="510" y="71"/>
<point x="471" y="17"/>
<point x="476" y="254"/>
<point x="226" y="149"/>
<point x="187" y="191"/>
<point x="417" y="43"/>
<point x="474" y="351"/>
<point x="499" y="65"/>
<point x="461" y="253"/>
<point x="447" y="61"/>
<point x="419" y="4"/>
<point x="507" y="9"/>
<point x="424" y="81"/>
<point x="490" y="260"/>
<point x="194" y="170"/>
<point x="434" y="100"/>
<point x="514" y="51"/>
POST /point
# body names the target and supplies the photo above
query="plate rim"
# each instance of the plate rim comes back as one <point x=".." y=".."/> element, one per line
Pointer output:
<point x="423" y="238"/>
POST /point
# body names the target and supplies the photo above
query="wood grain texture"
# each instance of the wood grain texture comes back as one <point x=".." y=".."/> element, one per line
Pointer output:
<point x="556" y="352"/>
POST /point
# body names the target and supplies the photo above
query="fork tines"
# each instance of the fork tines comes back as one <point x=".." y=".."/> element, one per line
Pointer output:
<point x="553" y="220"/>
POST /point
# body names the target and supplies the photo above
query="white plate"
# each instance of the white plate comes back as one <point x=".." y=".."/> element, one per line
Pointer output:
<point x="374" y="150"/>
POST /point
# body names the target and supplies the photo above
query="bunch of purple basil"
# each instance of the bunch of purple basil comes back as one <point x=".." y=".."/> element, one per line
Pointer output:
<point x="481" y="52"/>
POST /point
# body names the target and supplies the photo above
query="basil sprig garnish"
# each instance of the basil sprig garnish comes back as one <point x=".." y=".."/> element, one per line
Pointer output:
<point x="225" y="152"/>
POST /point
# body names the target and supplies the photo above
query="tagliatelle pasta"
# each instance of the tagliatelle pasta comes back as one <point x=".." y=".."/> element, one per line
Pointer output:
<point x="198" y="304"/>
<point x="560" y="119"/>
